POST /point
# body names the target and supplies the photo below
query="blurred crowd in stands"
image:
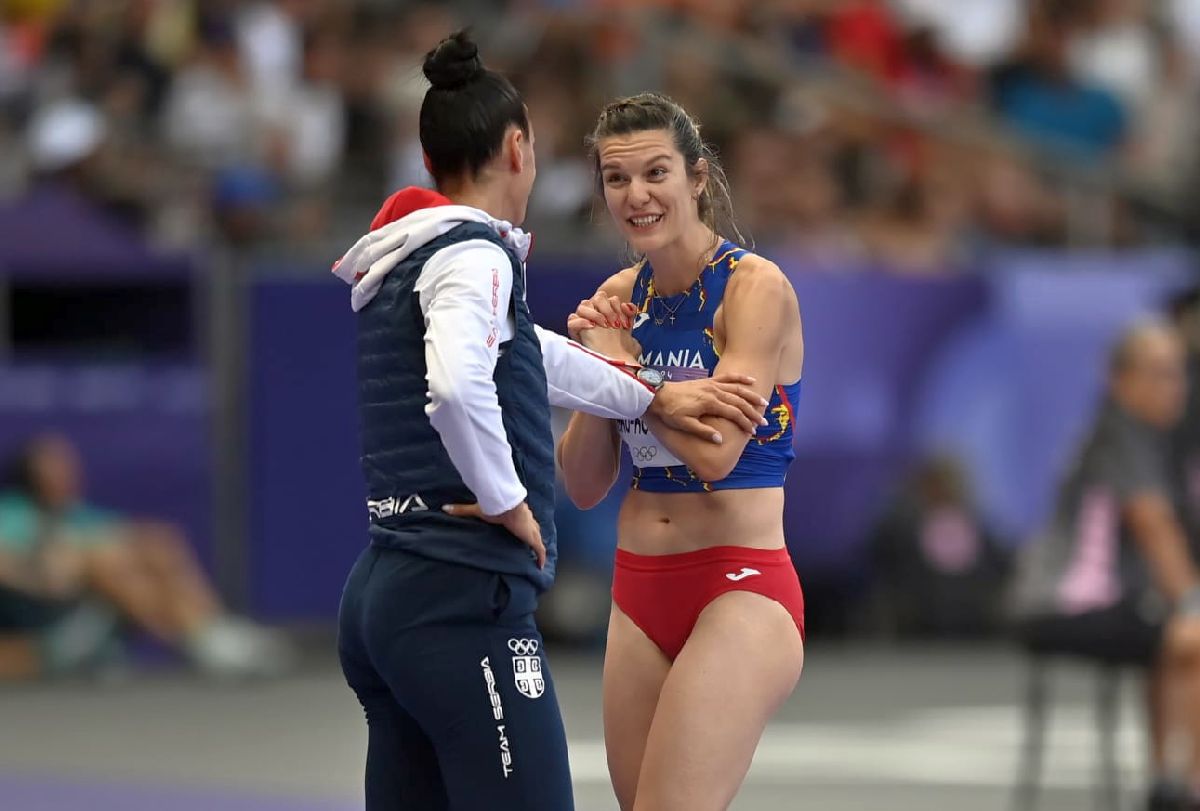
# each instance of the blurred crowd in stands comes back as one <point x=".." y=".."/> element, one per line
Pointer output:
<point x="914" y="136"/>
<point x="909" y="133"/>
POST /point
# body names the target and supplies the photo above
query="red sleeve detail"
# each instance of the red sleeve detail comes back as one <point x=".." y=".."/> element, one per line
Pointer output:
<point x="630" y="369"/>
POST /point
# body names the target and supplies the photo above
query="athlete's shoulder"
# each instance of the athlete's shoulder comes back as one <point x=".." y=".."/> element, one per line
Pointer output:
<point x="470" y="258"/>
<point x="621" y="283"/>
<point x="757" y="276"/>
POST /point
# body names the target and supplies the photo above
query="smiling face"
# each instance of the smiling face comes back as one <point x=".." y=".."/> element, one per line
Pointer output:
<point x="650" y="192"/>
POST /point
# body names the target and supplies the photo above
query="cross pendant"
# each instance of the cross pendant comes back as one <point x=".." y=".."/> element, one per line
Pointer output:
<point x="671" y="319"/>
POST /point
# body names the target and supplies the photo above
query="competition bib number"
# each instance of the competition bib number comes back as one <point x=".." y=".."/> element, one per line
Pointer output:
<point x="644" y="447"/>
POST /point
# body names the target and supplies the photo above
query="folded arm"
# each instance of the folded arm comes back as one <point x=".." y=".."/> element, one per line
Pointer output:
<point x="758" y="312"/>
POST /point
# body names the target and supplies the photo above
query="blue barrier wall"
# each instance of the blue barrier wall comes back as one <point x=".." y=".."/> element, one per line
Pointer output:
<point x="308" y="516"/>
<point x="1001" y="367"/>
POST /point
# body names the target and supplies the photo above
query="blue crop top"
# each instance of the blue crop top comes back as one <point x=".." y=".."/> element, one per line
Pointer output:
<point x="676" y="336"/>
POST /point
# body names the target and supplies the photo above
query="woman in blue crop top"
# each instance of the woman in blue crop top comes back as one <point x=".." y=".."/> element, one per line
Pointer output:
<point x="706" y="634"/>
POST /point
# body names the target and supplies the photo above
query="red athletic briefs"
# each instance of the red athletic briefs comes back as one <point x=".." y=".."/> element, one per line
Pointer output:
<point x="664" y="594"/>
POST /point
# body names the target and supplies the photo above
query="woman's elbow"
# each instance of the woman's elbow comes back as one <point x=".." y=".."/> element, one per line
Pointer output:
<point x="585" y="498"/>
<point x="585" y="488"/>
<point x="713" y="468"/>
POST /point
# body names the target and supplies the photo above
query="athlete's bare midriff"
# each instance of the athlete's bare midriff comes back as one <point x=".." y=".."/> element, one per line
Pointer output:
<point x="669" y="523"/>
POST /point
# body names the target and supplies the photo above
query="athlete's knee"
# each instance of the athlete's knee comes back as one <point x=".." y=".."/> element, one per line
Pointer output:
<point x="626" y="795"/>
<point x="114" y="558"/>
<point x="159" y="541"/>
<point x="623" y="774"/>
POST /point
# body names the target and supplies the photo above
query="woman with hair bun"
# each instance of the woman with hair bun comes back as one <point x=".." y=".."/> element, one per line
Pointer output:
<point x="436" y="630"/>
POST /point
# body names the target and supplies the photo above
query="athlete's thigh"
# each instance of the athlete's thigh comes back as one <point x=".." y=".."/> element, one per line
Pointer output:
<point x="740" y="663"/>
<point x="402" y="767"/>
<point x="487" y="700"/>
<point x="481" y="689"/>
<point x="634" y="672"/>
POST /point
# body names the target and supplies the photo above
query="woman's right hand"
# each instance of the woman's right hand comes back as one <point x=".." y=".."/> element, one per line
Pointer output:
<point x="601" y="310"/>
<point x="519" y="521"/>
<point x="603" y="323"/>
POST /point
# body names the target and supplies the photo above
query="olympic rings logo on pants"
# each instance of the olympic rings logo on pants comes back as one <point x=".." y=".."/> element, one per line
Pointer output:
<point x="523" y="647"/>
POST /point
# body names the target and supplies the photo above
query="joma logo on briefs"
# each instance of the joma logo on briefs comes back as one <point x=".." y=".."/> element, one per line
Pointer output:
<point x="387" y="507"/>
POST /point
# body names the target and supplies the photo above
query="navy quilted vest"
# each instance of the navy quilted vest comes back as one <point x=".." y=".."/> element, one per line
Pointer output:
<point x="408" y="473"/>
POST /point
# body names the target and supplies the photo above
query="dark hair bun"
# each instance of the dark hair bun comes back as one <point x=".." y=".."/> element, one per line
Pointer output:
<point x="453" y="63"/>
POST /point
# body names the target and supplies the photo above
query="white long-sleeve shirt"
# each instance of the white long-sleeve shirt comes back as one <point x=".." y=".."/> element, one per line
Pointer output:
<point x="465" y="291"/>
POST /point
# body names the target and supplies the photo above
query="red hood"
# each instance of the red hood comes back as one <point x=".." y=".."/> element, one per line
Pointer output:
<point x="405" y="202"/>
<point x="409" y="219"/>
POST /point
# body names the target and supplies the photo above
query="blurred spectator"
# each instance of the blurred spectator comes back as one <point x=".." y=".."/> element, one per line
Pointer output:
<point x="1184" y="309"/>
<point x="556" y="86"/>
<point x="210" y="116"/>
<point x="1012" y="204"/>
<point x="1137" y="56"/>
<point x="788" y="196"/>
<point x="1183" y="17"/>
<point x="1112" y="579"/>
<point x="311" y="113"/>
<point x="864" y="35"/>
<point x="1039" y="96"/>
<point x="918" y="226"/>
<point x="70" y="149"/>
<point x="1115" y="47"/>
<point x="562" y="197"/>
<point x="71" y="574"/>
<point x="868" y="36"/>
<point x="977" y="32"/>
<point x="929" y="79"/>
<point x="937" y="569"/>
<point x="798" y="26"/>
<point x="270" y="45"/>
<point x="64" y="136"/>
<point x="308" y="117"/>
